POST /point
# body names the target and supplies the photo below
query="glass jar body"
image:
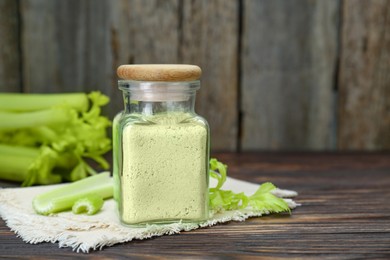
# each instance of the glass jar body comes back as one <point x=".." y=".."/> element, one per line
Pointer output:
<point x="162" y="157"/>
<point x="115" y="148"/>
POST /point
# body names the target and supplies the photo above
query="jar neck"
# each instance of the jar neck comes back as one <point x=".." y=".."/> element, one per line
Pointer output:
<point x="150" y="107"/>
<point x="151" y="98"/>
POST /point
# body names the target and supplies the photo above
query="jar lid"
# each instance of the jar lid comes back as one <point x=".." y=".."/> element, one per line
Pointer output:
<point x="159" y="72"/>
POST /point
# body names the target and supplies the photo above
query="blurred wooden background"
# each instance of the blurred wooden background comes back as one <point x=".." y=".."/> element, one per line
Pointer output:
<point x="278" y="75"/>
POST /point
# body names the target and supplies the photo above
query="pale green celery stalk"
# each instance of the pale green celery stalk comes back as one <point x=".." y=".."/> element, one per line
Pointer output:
<point x="18" y="150"/>
<point x="24" y="164"/>
<point x="9" y="120"/>
<point x="64" y="197"/>
<point x="89" y="205"/>
<point x="15" y="167"/>
<point x="18" y="137"/>
<point x="32" y="164"/>
<point x="65" y="137"/>
<point x="44" y="134"/>
<point x="18" y="102"/>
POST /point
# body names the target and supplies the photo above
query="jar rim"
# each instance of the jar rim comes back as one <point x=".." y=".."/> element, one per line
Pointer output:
<point x="159" y="90"/>
<point x="158" y="86"/>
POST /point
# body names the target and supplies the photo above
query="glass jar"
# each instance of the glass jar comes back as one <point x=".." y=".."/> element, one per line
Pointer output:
<point x="162" y="150"/>
<point x="115" y="147"/>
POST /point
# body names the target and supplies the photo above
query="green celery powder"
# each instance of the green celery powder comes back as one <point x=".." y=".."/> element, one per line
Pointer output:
<point x="164" y="170"/>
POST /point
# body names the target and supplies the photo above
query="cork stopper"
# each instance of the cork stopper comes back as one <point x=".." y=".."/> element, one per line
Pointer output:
<point x="159" y="72"/>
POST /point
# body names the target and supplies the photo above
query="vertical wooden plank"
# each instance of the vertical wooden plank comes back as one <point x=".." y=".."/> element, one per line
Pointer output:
<point x="288" y="70"/>
<point x="67" y="47"/>
<point x="154" y="31"/>
<point x="364" y="107"/>
<point x="10" y="78"/>
<point x="77" y="45"/>
<point x="209" y="38"/>
<point x="39" y="45"/>
<point x="142" y="32"/>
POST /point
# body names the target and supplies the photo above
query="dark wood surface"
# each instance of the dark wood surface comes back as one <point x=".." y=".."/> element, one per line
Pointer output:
<point x="345" y="214"/>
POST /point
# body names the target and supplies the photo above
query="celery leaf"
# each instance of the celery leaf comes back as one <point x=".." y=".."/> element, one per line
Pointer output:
<point x="262" y="200"/>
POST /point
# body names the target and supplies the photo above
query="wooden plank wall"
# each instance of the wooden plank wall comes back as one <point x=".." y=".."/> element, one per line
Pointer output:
<point x="10" y="78"/>
<point x="289" y="59"/>
<point x="364" y="82"/>
<point x="278" y="75"/>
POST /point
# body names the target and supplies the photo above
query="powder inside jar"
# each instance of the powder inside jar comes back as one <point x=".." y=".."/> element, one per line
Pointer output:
<point x="164" y="164"/>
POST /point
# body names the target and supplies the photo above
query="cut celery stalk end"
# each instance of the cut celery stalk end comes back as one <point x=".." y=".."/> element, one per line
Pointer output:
<point x="63" y="198"/>
<point x="89" y="205"/>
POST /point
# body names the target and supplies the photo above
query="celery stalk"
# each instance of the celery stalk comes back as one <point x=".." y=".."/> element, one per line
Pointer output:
<point x="63" y="198"/>
<point x="15" y="167"/>
<point x="89" y="205"/>
<point x="11" y="120"/>
<point x="17" y="102"/>
<point x="21" y="163"/>
<point x="67" y="132"/>
<point x="19" y="168"/>
<point x="18" y="150"/>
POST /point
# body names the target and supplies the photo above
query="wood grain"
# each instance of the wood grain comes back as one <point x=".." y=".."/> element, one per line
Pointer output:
<point x="271" y="78"/>
<point x="288" y="68"/>
<point x="209" y="38"/>
<point x="67" y="48"/>
<point x="364" y="107"/>
<point x="77" y="45"/>
<point x="10" y="67"/>
<point x="159" y="72"/>
<point x="154" y="31"/>
<point x="345" y="215"/>
<point x="142" y="32"/>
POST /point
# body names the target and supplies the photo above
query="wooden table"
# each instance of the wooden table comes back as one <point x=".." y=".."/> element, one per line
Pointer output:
<point x="345" y="214"/>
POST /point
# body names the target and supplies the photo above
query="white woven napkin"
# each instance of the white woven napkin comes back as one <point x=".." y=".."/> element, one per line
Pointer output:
<point x="84" y="233"/>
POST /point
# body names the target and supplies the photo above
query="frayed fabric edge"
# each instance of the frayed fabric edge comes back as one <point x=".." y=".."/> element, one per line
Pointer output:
<point x="68" y="240"/>
<point x="156" y="231"/>
<point x="65" y="239"/>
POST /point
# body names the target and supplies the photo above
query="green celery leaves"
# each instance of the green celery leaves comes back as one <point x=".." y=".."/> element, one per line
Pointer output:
<point x="262" y="200"/>
<point x="64" y="131"/>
